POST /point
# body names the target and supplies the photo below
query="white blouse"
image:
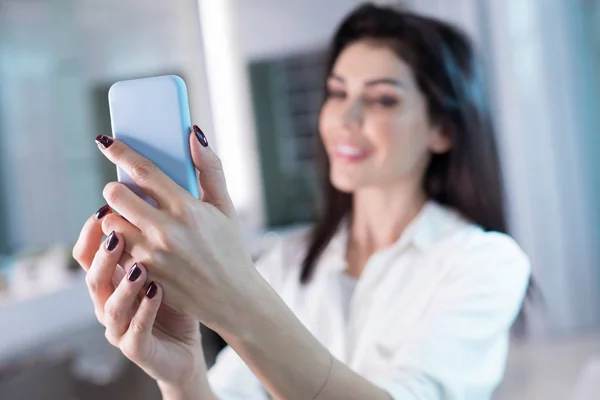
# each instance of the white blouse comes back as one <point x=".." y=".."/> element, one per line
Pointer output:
<point x="429" y="317"/>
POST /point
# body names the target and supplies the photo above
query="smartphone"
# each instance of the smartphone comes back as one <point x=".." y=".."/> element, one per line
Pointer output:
<point x="152" y="116"/>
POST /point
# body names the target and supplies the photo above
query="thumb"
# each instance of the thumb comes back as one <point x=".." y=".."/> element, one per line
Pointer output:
<point x="211" y="176"/>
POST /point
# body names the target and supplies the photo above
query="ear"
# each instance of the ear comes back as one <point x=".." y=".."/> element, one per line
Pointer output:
<point x="440" y="138"/>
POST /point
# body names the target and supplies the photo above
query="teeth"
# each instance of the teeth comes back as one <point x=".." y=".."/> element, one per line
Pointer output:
<point x="348" y="150"/>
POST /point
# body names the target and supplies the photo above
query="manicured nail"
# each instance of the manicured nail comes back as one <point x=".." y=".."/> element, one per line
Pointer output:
<point x="134" y="273"/>
<point x="102" y="211"/>
<point x="112" y="241"/>
<point x="200" y="136"/>
<point x="104" y="141"/>
<point x="151" y="292"/>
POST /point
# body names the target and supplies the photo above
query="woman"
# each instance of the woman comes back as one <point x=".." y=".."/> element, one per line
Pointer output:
<point x="406" y="288"/>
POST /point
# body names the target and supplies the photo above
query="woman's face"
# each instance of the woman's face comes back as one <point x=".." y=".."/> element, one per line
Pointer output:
<point x="374" y="123"/>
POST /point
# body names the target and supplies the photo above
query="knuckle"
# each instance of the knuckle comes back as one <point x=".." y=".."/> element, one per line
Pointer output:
<point x="117" y="153"/>
<point x="111" y="338"/>
<point x="111" y="223"/>
<point x="142" y="169"/>
<point x="112" y="192"/>
<point x="111" y="312"/>
<point x="108" y="224"/>
<point x="163" y="238"/>
<point x="92" y="282"/>
<point x="186" y="212"/>
<point x="77" y="253"/>
<point x="215" y="163"/>
<point x="136" y="326"/>
<point x="157" y="257"/>
<point x="99" y="315"/>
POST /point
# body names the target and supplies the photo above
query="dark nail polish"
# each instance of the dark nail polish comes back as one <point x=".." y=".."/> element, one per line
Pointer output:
<point x="200" y="136"/>
<point x="101" y="213"/>
<point x="134" y="273"/>
<point x="151" y="292"/>
<point x="112" y="241"/>
<point x="104" y="141"/>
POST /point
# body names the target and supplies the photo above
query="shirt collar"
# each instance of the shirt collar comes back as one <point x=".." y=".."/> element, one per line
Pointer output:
<point x="431" y="224"/>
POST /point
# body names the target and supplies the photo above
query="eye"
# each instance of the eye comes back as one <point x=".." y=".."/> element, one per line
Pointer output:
<point x="387" y="101"/>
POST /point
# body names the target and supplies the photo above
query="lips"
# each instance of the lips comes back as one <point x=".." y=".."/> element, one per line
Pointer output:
<point x="350" y="153"/>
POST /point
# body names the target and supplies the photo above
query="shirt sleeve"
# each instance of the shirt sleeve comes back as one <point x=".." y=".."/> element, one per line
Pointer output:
<point x="230" y="378"/>
<point x="458" y="351"/>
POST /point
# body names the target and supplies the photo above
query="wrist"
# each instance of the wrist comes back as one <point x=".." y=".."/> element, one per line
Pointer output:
<point x="252" y="294"/>
<point x="190" y="387"/>
<point x="193" y="390"/>
<point x="260" y="303"/>
<point x="177" y="392"/>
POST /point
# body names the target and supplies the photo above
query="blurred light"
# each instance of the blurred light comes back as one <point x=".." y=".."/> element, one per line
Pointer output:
<point x="231" y="106"/>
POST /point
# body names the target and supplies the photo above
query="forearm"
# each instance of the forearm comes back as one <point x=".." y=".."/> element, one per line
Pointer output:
<point x="288" y="359"/>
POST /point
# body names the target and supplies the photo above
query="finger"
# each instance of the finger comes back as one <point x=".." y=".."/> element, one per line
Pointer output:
<point x="134" y="239"/>
<point x="125" y="263"/>
<point x="131" y="206"/>
<point x="143" y="171"/>
<point x="121" y="305"/>
<point x="138" y="340"/>
<point x="212" y="178"/>
<point x="100" y="274"/>
<point x="89" y="238"/>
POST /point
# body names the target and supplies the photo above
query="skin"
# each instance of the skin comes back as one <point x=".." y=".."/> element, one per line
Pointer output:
<point x="179" y="244"/>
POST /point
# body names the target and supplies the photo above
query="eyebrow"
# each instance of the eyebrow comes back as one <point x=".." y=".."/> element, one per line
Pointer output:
<point x="377" y="81"/>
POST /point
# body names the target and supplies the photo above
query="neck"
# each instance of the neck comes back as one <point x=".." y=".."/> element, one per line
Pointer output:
<point x="381" y="214"/>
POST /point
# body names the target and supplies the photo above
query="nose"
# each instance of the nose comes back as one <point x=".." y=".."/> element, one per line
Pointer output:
<point x="353" y="115"/>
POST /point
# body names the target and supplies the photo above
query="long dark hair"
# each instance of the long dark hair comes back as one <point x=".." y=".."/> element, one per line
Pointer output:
<point x="468" y="177"/>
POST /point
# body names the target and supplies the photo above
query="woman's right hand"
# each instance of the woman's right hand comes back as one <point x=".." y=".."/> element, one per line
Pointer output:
<point x="161" y="341"/>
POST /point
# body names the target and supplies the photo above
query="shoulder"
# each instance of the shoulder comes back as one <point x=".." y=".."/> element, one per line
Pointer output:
<point x="469" y="259"/>
<point x="491" y="250"/>
<point x="468" y="249"/>
<point x="488" y="265"/>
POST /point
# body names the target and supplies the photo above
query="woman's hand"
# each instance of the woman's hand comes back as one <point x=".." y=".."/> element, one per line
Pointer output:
<point x="192" y="247"/>
<point x="163" y="342"/>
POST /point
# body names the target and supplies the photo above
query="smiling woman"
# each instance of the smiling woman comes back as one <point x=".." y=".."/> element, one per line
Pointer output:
<point x="406" y="287"/>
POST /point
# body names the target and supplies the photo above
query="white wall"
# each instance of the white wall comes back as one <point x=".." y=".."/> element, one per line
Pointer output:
<point x="273" y="27"/>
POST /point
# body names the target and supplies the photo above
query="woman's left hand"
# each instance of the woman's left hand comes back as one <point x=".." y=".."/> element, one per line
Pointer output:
<point x="192" y="247"/>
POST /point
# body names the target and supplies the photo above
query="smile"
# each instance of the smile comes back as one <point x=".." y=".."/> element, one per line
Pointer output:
<point x="350" y="153"/>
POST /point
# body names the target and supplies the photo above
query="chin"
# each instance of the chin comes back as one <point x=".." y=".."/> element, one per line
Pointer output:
<point x="344" y="185"/>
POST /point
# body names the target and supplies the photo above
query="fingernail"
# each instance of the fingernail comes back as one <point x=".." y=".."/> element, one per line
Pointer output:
<point x="200" y="136"/>
<point x="112" y="241"/>
<point x="151" y="292"/>
<point x="134" y="273"/>
<point x="104" y="141"/>
<point x="102" y="211"/>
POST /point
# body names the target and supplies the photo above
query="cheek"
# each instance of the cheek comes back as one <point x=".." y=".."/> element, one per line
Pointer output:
<point x="399" y="142"/>
<point x="327" y="121"/>
<point x="385" y="134"/>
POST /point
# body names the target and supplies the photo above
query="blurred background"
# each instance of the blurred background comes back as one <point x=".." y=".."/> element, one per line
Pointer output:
<point x="254" y="70"/>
